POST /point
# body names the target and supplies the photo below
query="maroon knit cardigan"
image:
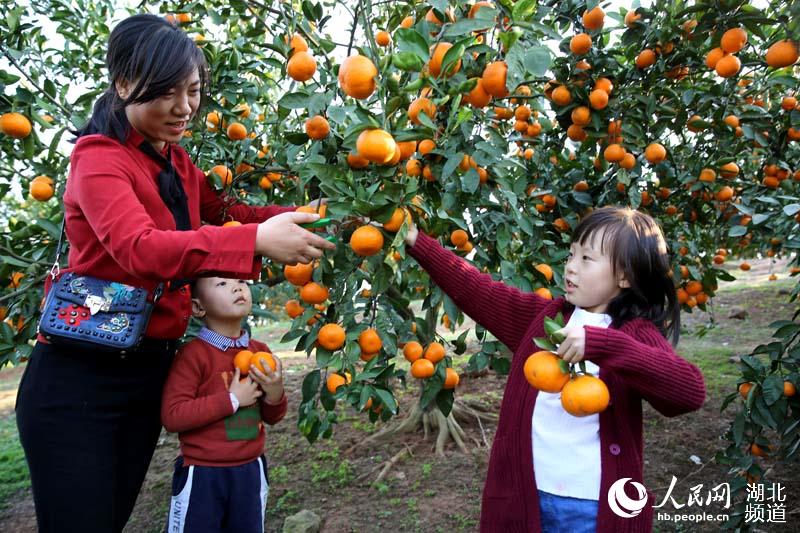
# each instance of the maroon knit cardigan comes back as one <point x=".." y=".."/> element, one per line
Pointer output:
<point x="636" y="363"/>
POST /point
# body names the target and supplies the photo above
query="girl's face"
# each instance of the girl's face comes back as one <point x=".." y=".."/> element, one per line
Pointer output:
<point x="589" y="277"/>
<point x="164" y="119"/>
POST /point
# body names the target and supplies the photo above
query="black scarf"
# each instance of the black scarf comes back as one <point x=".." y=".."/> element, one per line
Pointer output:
<point x="170" y="188"/>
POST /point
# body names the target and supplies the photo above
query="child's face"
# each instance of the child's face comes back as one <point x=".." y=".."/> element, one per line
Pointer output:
<point x="221" y="299"/>
<point x="589" y="276"/>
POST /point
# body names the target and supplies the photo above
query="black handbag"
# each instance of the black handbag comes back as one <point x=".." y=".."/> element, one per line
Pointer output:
<point x="95" y="314"/>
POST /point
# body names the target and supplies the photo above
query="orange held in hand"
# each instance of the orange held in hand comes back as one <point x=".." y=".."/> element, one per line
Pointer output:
<point x="256" y="361"/>
<point x="543" y="371"/>
<point x="585" y="395"/>
<point x="242" y="361"/>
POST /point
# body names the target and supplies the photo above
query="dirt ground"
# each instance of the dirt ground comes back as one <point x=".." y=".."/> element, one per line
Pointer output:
<point x="423" y="492"/>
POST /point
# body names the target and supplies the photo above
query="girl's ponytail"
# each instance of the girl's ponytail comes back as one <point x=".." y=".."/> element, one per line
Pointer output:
<point x="108" y="117"/>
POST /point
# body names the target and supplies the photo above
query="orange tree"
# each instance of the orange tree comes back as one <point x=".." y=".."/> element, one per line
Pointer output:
<point x="494" y="125"/>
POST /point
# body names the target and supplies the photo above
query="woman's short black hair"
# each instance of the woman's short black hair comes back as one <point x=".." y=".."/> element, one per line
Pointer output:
<point x="153" y="56"/>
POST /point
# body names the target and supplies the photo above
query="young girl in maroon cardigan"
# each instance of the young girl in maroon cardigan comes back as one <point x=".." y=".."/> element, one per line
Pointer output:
<point x="548" y="470"/>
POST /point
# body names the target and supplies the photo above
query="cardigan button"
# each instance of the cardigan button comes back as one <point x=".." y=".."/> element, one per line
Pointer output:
<point x="614" y="449"/>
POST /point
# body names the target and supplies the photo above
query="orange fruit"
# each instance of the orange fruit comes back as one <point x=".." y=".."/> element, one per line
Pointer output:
<point x="407" y="149"/>
<point x="317" y="127"/>
<point x="546" y="270"/>
<point x="451" y="379"/>
<point x="294" y="309"/>
<point x="437" y="56"/>
<point x="382" y="38"/>
<point x="335" y="381"/>
<point x="543" y="371"/>
<point x="396" y="222"/>
<point x="331" y="336"/>
<point x="694" y="287"/>
<point x="357" y="77"/>
<point x="237" y="131"/>
<point x="494" y="79"/>
<point x="631" y="17"/>
<point x="598" y="99"/>
<point x="414" y="167"/>
<point x="301" y="66"/>
<point x="231" y="224"/>
<point x="561" y="95"/>
<point x="655" y="153"/>
<point x="729" y="170"/>
<point x="224" y="173"/>
<point x="478" y="97"/>
<point x="356" y="161"/>
<point x="15" y="125"/>
<point x="780" y="54"/>
<point x="614" y="153"/>
<point x="788" y="103"/>
<point x="407" y="22"/>
<point x="789" y="389"/>
<point x="733" y="40"/>
<point x="426" y="146"/>
<point x="580" y="44"/>
<point x="421" y="105"/>
<point x="255" y="360"/>
<point x="376" y="145"/>
<point x="744" y="389"/>
<point x="576" y="133"/>
<point x="366" y="241"/>
<point x="581" y="115"/>
<point x="298" y="274"/>
<point x="42" y="188"/>
<point x="434" y="352"/>
<point x="477" y="6"/>
<point x="544" y="292"/>
<point x="585" y="395"/>
<point x="713" y="57"/>
<point x="297" y="44"/>
<point x="745" y="266"/>
<point x="242" y="361"/>
<point x="628" y="161"/>
<point x="313" y="293"/>
<point x="369" y="341"/>
<point x="728" y="65"/>
<point x="412" y="351"/>
<point x="593" y="19"/>
<point x="604" y="84"/>
<point x="422" y="369"/>
<point x="646" y="58"/>
<point x="459" y="237"/>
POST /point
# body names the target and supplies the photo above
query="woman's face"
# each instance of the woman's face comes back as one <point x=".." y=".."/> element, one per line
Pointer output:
<point x="164" y="119"/>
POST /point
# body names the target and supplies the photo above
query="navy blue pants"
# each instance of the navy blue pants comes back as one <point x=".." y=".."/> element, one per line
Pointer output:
<point x="216" y="499"/>
<point x="562" y="514"/>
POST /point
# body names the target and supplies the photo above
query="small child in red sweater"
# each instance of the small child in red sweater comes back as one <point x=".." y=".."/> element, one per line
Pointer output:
<point x="220" y="481"/>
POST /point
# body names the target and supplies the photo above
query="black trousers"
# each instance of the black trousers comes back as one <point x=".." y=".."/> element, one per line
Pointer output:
<point x="89" y="423"/>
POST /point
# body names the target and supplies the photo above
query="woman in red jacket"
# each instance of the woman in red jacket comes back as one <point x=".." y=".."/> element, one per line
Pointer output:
<point x="551" y="471"/>
<point x="134" y="207"/>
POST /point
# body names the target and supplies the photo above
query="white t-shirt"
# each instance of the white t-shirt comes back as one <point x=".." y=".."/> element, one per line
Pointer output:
<point x="566" y="459"/>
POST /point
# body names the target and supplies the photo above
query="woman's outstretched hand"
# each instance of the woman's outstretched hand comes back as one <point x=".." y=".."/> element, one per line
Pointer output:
<point x="281" y="239"/>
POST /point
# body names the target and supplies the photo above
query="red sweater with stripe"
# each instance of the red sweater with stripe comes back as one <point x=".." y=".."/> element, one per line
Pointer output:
<point x="636" y="363"/>
<point x="120" y="229"/>
<point x="196" y="404"/>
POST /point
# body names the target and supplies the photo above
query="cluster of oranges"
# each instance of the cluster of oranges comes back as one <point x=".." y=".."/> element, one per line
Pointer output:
<point x="424" y="360"/>
<point x="460" y="239"/>
<point x="245" y="358"/>
<point x="302" y="65"/>
<point x="723" y="58"/>
<point x="581" y="394"/>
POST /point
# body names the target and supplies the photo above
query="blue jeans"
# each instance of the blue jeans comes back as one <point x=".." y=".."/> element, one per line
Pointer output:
<point x="568" y="515"/>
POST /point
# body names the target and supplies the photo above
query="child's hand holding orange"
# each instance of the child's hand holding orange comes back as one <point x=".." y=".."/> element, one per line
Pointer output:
<point x="270" y="381"/>
<point x="573" y="347"/>
<point x="246" y="390"/>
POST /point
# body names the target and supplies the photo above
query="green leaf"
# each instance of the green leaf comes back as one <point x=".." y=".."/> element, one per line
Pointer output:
<point x="408" y="61"/>
<point x="444" y="401"/>
<point x="467" y="26"/>
<point x="772" y="389"/>
<point x="544" y="344"/>
<point x="523" y="9"/>
<point x="538" y="60"/>
<point x="452" y="57"/>
<point x="387" y="399"/>
<point x="296" y="100"/>
<point x="311" y="385"/>
<point x="410" y="40"/>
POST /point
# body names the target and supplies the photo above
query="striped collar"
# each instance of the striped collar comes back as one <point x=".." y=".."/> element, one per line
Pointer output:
<point x="221" y="342"/>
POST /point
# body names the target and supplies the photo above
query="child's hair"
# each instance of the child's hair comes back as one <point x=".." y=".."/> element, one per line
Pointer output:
<point x="152" y="53"/>
<point x="637" y="248"/>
